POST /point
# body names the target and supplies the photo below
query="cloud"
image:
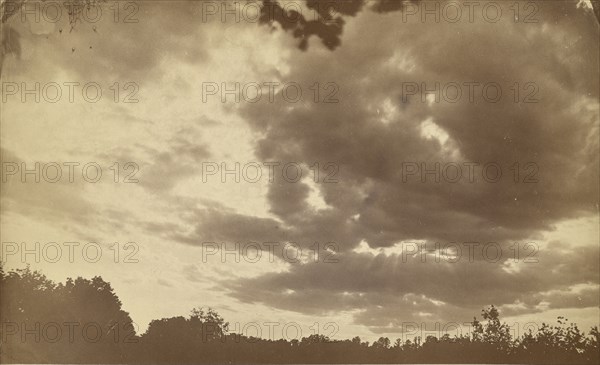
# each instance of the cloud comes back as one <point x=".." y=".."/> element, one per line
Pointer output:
<point x="393" y="289"/>
<point x="558" y="134"/>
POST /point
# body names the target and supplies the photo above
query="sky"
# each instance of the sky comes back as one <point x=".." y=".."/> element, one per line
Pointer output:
<point x="343" y="170"/>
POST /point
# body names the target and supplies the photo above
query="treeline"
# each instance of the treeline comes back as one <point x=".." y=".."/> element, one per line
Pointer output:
<point x="82" y="321"/>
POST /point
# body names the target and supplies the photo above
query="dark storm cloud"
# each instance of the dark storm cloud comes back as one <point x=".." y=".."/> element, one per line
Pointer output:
<point x="377" y="54"/>
<point x="558" y="133"/>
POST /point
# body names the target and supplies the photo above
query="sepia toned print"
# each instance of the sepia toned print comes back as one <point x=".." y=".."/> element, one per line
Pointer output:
<point x="300" y="181"/>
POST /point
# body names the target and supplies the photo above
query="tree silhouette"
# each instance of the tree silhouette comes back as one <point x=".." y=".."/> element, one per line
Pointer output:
<point x="32" y="307"/>
<point x="43" y="322"/>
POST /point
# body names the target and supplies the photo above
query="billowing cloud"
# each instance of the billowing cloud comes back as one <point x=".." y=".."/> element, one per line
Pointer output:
<point x="376" y="130"/>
